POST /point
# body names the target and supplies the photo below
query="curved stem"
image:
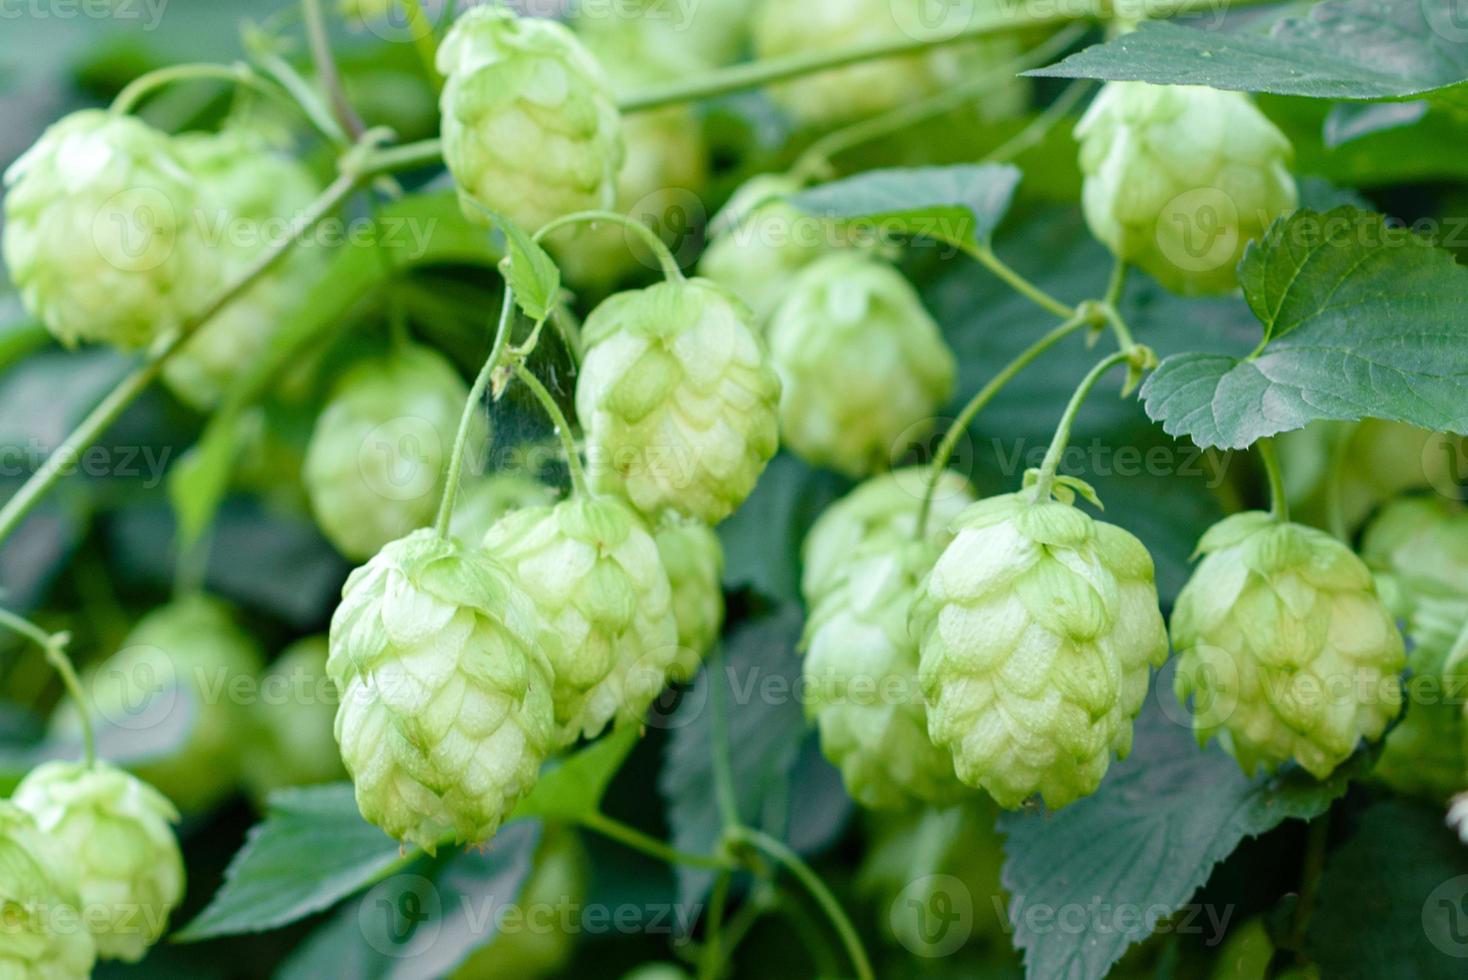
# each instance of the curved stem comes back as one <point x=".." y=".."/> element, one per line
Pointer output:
<point x="303" y="96"/>
<point x="777" y="851"/>
<point x="1278" y="500"/>
<point x="326" y="69"/>
<point x="659" y="248"/>
<point x="1117" y="282"/>
<point x="1314" y="866"/>
<point x="711" y="958"/>
<point x="1041" y="125"/>
<point x="649" y="845"/>
<point x="976" y="404"/>
<point x="471" y="406"/>
<point x="1045" y="485"/>
<point x="139" y="88"/>
<point x="558" y="419"/>
<point x="984" y="254"/>
<point x="54" y="646"/>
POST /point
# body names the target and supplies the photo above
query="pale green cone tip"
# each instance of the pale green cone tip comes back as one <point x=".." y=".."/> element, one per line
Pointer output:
<point x="446" y="714"/>
<point x="605" y="614"/>
<point x="118" y="832"/>
<point x="678" y="399"/>
<point x="1285" y="646"/>
<point x="1037" y="628"/>
<point x="44" y="936"/>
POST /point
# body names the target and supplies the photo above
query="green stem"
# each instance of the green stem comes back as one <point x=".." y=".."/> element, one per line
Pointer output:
<point x="139" y="88"/>
<point x="1278" y="500"/>
<point x="55" y="650"/>
<point x="985" y="395"/>
<point x="671" y="271"/>
<point x="325" y="61"/>
<point x="302" y="95"/>
<point x="1116" y="284"/>
<point x="984" y="254"/>
<point x="711" y="958"/>
<point x="1041" y="125"/>
<point x="1335" y="505"/>
<point x="649" y="845"/>
<point x="1045" y="485"/>
<point x="425" y="40"/>
<point x="471" y="408"/>
<point x="724" y="796"/>
<point x="112" y="406"/>
<point x="1313" y="868"/>
<point x="558" y="419"/>
<point x="812" y="882"/>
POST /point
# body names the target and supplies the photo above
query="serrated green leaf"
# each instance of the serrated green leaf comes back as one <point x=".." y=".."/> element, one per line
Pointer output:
<point x="312" y="850"/>
<point x="1350" y="121"/>
<point x="961" y="204"/>
<point x="1144" y="842"/>
<point x="531" y="273"/>
<point x="574" y="788"/>
<point x="1361" y="321"/>
<point x="762" y="539"/>
<point x="1340" y="49"/>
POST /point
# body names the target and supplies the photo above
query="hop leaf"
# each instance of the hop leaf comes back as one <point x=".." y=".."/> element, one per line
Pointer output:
<point x="605" y="608"/>
<point x="44" y="934"/>
<point x="294" y="716"/>
<point x="101" y="232"/>
<point x="530" y="126"/>
<point x="678" y="399"/>
<point x="1180" y="178"/>
<point x="761" y="243"/>
<point x="446" y="700"/>
<point x="1285" y="646"/>
<point x="694" y="560"/>
<point x="374" y="469"/>
<point x="863" y="365"/>
<point x="1037" y="628"/>
<point x="117" y="830"/>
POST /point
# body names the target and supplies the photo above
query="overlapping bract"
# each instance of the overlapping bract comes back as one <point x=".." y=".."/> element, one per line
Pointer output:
<point x="44" y="937"/>
<point x="761" y="242"/>
<point x="694" y="560"/>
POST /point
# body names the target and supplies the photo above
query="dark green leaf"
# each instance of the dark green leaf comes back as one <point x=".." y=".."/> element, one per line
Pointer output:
<point x="1393" y="901"/>
<point x="574" y="788"/>
<point x="1351" y="121"/>
<point x="312" y="850"/>
<point x="1340" y="49"/>
<point x="1362" y="321"/>
<point x="762" y="539"/>
<point x="1120" y="860"/>
<point x="960" y="204"/>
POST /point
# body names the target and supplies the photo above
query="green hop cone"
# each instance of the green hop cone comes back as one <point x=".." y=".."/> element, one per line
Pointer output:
<point x="678" y="400"/>
<point x="1180" y="178"/>
<point x="176" y="671"/>
<point x="530" y="125"/>
<point x="445" y="713"/>
<point x="1421" y="545"/>
<point x="118" y="831"/>
<point x="540" y="941"/>
<point x="246" y="193"/>
<point x="1037" y="626"/>
<point x="605" y="607"/>
<point x="761" y="243"/>
<point x="864" y="367"/>
<point x="484" y="500"/>
<point x="374" y="468"/>
<point x="44" y="935"/>
<point x="294" y="716"/>
<point x="101" y="237"/>
<point x="694" y="560"/>
<point x="707" y="34"/>
<point x="1285" y="646"/>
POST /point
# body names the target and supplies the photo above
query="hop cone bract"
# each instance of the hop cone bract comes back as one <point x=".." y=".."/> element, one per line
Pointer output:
<point x="44" y="936"/>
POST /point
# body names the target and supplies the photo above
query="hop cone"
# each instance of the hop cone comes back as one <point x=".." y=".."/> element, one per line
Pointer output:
<point x="1180" y="178"/>
<point x="864" y="366"/>
<point x="761" y="243"/>
<point x="606" y="615"/>
<point x="101" y="236"/>
<point x="482" y="501"/>
<point x="374" y="469"/>
<point x="552" y="897"/>
<point x="1037" y="627"/>
<point x="678" y="400"/>
<point x="530" y="125"/>
<point x="175" y="672"/>
<point x="694" y="560"/>
<point x="446" y="701"/>
<point x="117" y="830"/>
<point x="707" y="34"/>
<point x="1421" y="545"/>
<point x="294" y="716"/>
<point x="246" y="194"/>
<point x="44" y="936"/>
<point x="1285" y="646"/>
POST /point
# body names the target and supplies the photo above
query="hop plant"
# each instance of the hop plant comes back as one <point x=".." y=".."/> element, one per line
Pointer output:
<point x="117" y="830"/>
<point x="445" y="715"/>
<point x="678" y="399"/>
<point x="557" y="885"/>
<point x="694" y="560"/>
<point x="45" y="938"/>
<point x="1037" y="628"/>
<point x="374" y="468"/>
<point x="708" y="34"/>
<point x="101" y="236"/>
<point x="1285" y="646"/>
<point x="294" y="717"/>
<point x="481" y="502"/>
<point x="175" y="671"/>
<point x="863" y="365"/>
<point x="605" y="608"/>
<point x="1180" y="178"/>
<point x="1420" y="545"/>
<point x="243" y="189"/>
<point x="762" y="243"/>
<point x="530" y="126"/>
